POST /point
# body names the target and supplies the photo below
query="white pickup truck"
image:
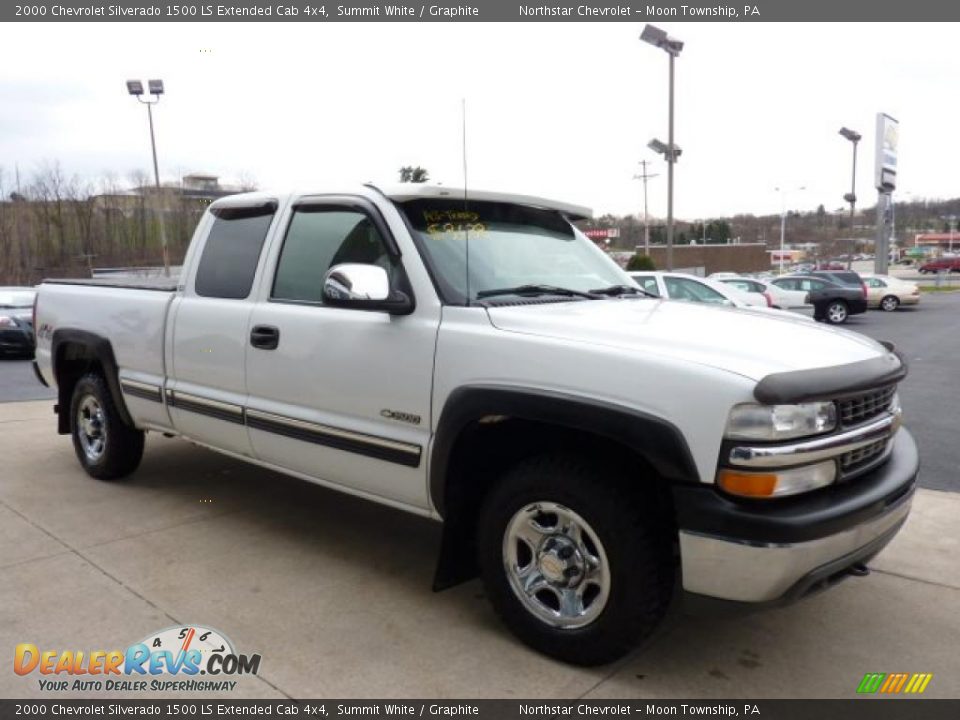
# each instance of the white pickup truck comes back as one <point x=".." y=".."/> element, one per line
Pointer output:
<point x="590" y="450"/>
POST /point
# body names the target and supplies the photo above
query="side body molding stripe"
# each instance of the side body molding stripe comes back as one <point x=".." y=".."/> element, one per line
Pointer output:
<point x="347" y="440"/>
<point x="359" y="443"/>
<point x="204" y="406"/>
<point x="142" y="390"/>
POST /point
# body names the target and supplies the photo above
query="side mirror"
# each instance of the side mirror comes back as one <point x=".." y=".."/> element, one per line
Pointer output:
<point x="363" y="287"/>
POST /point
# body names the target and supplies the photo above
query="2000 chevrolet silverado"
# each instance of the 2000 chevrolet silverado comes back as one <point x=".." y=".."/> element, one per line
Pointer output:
<point x="480" y="362"/>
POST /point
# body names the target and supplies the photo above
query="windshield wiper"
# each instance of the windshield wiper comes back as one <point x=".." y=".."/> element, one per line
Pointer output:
<point x="536" y="290"/>
<point x="617" y="290"/>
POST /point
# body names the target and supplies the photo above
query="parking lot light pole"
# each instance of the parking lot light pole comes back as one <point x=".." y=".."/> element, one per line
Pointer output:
<point x="659" y="38"/>
<point x="155" y="88"/>
<point x="851" y="197"/>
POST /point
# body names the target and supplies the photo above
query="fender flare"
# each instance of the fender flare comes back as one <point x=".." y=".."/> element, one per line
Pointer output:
<point x="660" y="442"/>
<point x="101" y="349"/>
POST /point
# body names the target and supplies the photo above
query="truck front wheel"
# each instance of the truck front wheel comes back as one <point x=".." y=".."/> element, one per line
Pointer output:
<point x="106" y="446"/>
<point x="576" y="562"/>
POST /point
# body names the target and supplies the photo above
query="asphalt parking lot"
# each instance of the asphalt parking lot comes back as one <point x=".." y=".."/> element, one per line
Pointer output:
<point x="334" y="592"/>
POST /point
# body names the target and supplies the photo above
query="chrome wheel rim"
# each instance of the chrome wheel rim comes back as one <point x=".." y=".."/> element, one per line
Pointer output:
<point x="556" y="565"/>
<point x="889" y="304"/>
<point x="91" y="428"/>
<point x="837" y="313"/>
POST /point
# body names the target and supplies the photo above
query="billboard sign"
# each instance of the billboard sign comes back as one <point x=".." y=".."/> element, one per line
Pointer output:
<point x="888" y="137"/>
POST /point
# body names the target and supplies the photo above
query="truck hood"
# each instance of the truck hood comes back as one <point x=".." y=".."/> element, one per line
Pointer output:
<point x="736" y="340"/>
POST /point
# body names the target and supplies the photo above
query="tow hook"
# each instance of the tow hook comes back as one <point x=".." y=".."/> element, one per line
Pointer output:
<point x="859" y="570"/>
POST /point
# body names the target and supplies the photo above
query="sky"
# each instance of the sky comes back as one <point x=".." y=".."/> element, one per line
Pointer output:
<point x="561" y="110"/>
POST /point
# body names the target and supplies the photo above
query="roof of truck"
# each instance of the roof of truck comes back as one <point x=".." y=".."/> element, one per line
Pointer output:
<point x="416" y="191"/>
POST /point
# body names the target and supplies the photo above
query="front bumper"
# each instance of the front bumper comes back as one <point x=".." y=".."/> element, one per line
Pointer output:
<point x="771" y="552"/>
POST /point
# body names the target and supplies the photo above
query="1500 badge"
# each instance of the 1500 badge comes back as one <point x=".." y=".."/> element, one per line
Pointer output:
<point x="401" y="416"/>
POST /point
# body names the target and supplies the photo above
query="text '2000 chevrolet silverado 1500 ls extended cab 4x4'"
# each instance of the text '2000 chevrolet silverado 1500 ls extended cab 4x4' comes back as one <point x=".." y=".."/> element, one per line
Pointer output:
<point x="477" y="360"/>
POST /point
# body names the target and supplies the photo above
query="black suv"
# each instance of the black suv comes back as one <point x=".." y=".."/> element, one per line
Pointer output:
<point x="847" y="278"/>
<point x="832" y="301"/>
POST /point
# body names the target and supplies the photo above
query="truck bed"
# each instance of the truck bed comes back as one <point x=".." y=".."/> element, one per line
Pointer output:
<point x="161" y="284"/>
<point x="131" y="312"/>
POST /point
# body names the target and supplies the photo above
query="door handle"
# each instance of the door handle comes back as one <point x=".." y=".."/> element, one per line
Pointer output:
<point x="265" y="337"/>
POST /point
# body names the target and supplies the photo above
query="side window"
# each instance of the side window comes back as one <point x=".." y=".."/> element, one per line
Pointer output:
<point x="231" y="253"/>
<point x="787" y="284"/>
<point x="691" y="290"/>
<point x="649" y="284"/>
<point x="316" y="240"/>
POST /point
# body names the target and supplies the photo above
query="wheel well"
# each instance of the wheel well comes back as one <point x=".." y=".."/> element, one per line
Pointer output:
<point x="486" y="448"/>
<point x="74" y="355"/>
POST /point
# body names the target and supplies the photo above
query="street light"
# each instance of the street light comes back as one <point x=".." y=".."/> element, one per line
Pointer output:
<point x="155" y="88"/>
<point x="783" y="219"/>
<point x="851" y="197"/>
<point x="659" y="38"/>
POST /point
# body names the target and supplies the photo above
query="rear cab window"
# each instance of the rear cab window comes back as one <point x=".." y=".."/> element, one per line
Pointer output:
<point x="232" y="250"/>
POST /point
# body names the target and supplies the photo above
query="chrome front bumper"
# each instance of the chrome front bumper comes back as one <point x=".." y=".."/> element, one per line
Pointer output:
<point x="737" y="554"/>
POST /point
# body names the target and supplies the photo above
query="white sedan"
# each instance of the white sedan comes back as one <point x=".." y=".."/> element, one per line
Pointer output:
<point x="679" y="286"/>
<point x="773" y="295"/>
<point x="889" y="293"/>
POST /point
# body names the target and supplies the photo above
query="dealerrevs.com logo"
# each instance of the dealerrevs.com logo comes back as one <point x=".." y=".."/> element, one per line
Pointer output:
<point x="172" y="659"/>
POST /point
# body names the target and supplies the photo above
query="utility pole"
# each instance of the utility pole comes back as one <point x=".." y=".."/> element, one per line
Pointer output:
<point x="646" y="218"/>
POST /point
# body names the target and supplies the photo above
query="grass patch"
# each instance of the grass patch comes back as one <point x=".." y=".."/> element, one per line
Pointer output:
<point x="940" y="288"/>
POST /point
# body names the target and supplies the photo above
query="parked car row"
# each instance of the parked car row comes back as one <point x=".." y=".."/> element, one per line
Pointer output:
<point x="680" y="286"/>
<point x="834" y="295"/>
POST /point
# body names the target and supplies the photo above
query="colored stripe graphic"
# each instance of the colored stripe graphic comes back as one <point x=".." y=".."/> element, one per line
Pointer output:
<point x="871" y="682"/>
<point x="894" y="683"/>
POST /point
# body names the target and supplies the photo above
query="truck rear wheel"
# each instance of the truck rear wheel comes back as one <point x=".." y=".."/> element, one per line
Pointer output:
<point x="578" y="566"/>
<point x="106" y="446"/>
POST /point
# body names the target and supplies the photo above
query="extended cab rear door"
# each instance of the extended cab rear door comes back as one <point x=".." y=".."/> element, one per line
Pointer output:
<point x="342" y="395"/>
<point x="207" y="390"/>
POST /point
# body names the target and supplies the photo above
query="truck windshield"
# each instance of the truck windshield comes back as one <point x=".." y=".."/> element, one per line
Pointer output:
<point x="510" y="246"/>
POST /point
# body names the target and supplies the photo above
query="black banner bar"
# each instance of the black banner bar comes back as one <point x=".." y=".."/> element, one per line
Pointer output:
<point x="479" y="11"/>
<point x="856" y="709"/>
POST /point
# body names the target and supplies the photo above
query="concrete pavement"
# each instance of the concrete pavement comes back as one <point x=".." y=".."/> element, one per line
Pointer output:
<point x="334" y="592"/>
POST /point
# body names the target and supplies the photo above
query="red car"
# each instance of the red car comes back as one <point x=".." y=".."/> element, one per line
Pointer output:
<point x="941" y="265"/>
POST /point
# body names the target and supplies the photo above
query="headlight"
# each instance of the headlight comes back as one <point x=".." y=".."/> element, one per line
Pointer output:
<point x="6" y="322"/>
<point x="750" y="421"/>
<point x="777" y="483"/>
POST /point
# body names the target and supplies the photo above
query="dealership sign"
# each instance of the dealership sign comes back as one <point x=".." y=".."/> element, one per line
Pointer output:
<point x="888" y="137"/>
<point x="602" y="233"/>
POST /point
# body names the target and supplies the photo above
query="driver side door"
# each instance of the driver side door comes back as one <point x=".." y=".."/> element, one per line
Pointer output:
<point x="343" y="395"/>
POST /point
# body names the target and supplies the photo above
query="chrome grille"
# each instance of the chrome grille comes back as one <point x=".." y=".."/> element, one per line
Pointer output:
<point x="860" y="408"/>
<point x="861" y="456"/>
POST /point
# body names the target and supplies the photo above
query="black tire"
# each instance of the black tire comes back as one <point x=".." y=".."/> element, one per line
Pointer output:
<point x="121" y="445"/>
<point x="836" y="312"/>
<point x="635" y="532"/>
<point x="889" y="303"/>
